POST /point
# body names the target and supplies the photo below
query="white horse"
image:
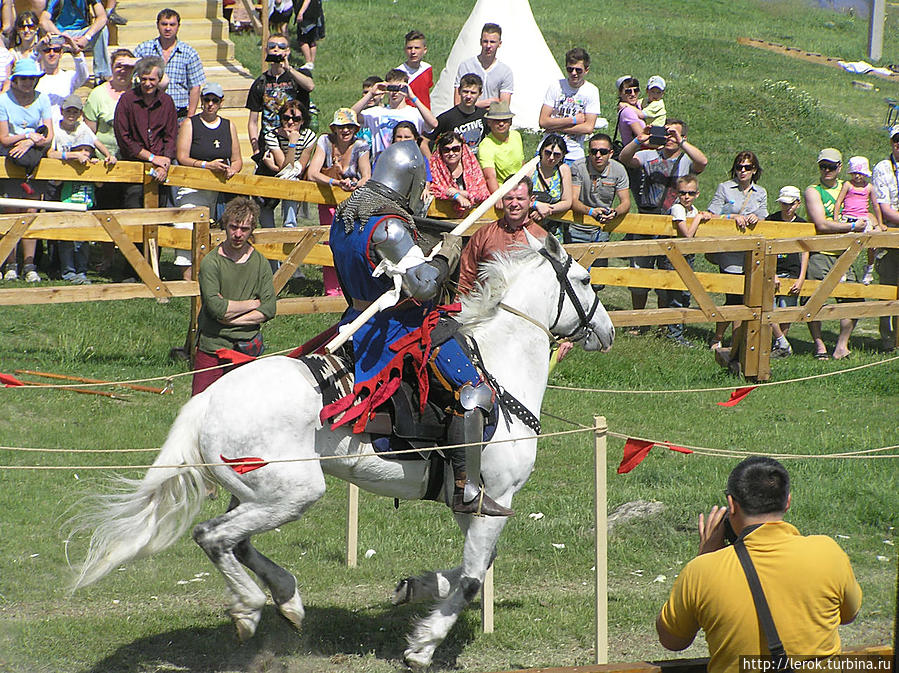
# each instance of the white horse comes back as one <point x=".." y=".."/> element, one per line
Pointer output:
<point x="269" y="409"/>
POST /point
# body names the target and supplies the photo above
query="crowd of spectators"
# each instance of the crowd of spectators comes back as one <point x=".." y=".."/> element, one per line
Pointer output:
<point x="155" y="105"/>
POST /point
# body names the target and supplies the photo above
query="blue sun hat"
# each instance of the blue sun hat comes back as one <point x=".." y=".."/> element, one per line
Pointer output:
<point x="25" y="67"/>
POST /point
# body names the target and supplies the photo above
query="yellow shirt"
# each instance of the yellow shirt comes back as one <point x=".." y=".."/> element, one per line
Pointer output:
<point x="808" y="582"/>
<point x="505" y="158"/>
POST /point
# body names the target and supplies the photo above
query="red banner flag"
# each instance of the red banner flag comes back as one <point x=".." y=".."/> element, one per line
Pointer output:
<point x="236" y="357"/>
<point x="10" y="381"/>
<point x="635" y="450"/>
<point x="737" y="396"/>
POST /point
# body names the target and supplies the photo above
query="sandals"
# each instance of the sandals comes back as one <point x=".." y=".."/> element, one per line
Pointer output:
<point x="822" y="356"/>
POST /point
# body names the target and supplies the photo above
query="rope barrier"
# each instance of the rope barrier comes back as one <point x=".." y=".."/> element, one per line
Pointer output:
<point x="618" y="391"/>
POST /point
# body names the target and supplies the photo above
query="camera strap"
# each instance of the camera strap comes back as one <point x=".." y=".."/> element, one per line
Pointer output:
<point x="775" y="646"/>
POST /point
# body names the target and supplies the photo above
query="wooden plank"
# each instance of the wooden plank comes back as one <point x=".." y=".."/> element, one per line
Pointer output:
<point x="14" y="235"/>
<point x="56" y="169"/>
<point x="667" y="316"/>
<point x="825" y="289"/>
<point x="137" y="262"/>
<point x="289" y="266"/>
<point x="51" y="221"/>
<point x="68" y="294"/>
<point x="686" y="273"/>
<point x="305" y="305"/>
<point x="868" y="309"/>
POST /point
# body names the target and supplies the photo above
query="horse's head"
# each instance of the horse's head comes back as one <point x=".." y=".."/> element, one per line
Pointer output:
<point x="579" y="314"/>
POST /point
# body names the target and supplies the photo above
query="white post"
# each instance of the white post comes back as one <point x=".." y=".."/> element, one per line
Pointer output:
<point x="601" y="539"/>
<point x="487" y="601"/>
<point x="352" y="525"/>
<point x="875" y="29"/>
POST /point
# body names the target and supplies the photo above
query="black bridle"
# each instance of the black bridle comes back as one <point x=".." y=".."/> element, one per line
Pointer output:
<point x="566" y="289"/>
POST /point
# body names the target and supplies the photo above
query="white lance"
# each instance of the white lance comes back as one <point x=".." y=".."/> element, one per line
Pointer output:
<point x="391" y="297"/>
<point x="43" y="205"/>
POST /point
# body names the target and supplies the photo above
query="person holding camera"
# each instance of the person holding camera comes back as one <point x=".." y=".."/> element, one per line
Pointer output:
<point x="596" y="181"/>
<point x="272" y="89"/>
<point x="661" y="160"/>
<point x="806" y="582"/>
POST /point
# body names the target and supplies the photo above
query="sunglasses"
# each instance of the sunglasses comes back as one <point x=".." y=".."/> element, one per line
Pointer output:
<point x="451" y="148"/>
<point x="688" y="192"/>
<point x="211" y="99"/>
<point x="292" y="118"/>
<point x="745" y="167"/>
<point x="555" y="155"/>
<point x="828" y="166"/>
<point x="572" y="70"/>
<point x="632" y="90"/>
<point x="600" y="150"/>
<point x="278" y="45"/>
<point x="27" y="26"/>
<point x="52" y="50"/>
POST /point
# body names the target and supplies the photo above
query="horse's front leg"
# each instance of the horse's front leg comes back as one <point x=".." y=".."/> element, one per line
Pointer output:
<point x="481" y="534"/>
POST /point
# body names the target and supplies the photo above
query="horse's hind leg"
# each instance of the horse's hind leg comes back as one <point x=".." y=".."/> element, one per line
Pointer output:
<point x="432" y="585"/>
<point x="220" y="538"/>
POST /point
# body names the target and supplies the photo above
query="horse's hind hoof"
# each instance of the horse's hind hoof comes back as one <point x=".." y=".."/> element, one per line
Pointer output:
<point x="292" y="610"/>
<point x="403" y="592"/>
<point x="246" y="623"/>
<point x="416" y="660"/>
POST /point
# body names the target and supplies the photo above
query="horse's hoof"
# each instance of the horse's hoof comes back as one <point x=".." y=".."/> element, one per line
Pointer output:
<point x="292" y="610"/>
<point x="403" y="592"/>
<point x="417" y="660"/>
<point x="246" y="623"/>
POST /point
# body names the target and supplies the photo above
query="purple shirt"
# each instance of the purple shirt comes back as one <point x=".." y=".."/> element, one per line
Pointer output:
<point x="627" y="117"/>
<point x="139" y="126"/>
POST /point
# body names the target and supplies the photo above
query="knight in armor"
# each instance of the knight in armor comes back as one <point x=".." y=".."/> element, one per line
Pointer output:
<point x="373" y="239"/>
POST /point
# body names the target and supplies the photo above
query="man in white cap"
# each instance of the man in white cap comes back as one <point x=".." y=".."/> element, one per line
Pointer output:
<point x="792" y="266"/>
<point x="886" y="186"/>
<point x="820" y="200"/>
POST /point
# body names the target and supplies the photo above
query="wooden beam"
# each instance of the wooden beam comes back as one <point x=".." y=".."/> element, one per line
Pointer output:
<point x="308" y="239"/>
<point x="16" y="231"/>
<point x="151" y="280"/>
<point x="67" y="294"/>
<point x="305" y="305"/>
<point x="686" y="273"/>
<point x="56" y="169"/>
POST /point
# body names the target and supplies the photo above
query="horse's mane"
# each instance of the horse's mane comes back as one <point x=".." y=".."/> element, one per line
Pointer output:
<point x="494" y="277"/>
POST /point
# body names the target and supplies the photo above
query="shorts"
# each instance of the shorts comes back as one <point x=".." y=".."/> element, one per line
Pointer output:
<point x="819" y="265"/>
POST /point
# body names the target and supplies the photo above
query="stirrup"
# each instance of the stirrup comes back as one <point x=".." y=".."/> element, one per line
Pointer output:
<point x="480" y="505"/>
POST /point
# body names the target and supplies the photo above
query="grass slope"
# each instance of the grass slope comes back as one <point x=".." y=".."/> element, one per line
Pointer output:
<point x="164" y="613"/>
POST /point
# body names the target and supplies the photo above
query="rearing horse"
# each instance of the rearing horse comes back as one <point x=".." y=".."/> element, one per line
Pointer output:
<point x="269" y="409"/>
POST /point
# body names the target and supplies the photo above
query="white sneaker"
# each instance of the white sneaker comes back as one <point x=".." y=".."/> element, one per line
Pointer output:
<point x="868" y="278"/>
<point x="32" y="277"/>
<point x="11" y="275"/>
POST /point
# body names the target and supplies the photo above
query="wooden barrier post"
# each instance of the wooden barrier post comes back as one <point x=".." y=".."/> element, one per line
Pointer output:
<point x="601" y="535"/>
<point x="200" y="246"/>
<point x="754" y="335"/>
<point x="352" y="525"/>
<point x="487" y="594"/>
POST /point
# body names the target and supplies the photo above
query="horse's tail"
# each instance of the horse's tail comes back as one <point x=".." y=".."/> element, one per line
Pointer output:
<point x="141" y="517"/>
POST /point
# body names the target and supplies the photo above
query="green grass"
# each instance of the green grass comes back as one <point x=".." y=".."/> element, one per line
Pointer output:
<point x="140" y="619"/>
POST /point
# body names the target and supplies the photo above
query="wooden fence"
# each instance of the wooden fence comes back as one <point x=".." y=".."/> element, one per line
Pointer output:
<point x="293" y="246"/>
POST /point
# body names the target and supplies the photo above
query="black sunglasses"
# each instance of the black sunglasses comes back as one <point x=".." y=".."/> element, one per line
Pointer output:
<point x="688" y="192"/>
<point x="828" y="166"/>
<point x="600" y="150"/>
<point x="632" y="90"/>
<point x="745" y="167"/>
<point x="292" y="118"/>
<point x="52" y="50"/>
<point x="451" y="148"/>
<point x="573" y="70"/>
<point x="211" y="99"/>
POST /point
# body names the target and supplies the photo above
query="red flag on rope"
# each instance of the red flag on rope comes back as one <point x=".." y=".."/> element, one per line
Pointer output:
<point x="737" y="396"/>
<point x="236" y="357"/>
<point x="244" y="465"/>
<point x="635" y="450"/>
<point x="10" y="381"/>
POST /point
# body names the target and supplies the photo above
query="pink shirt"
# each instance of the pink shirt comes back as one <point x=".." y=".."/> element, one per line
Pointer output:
<point x="856" y="202"/>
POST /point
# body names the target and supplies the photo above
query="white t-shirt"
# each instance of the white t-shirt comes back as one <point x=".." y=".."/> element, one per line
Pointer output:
<point x="681" y="214"/>
<point x="381" y="120"/>
<point x="82" y="136"/>
<point x="498" y="79"/>
<point x="566" y="101"/>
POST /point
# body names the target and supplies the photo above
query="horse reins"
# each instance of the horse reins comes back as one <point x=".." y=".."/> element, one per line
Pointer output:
<point x="561" y="269"/>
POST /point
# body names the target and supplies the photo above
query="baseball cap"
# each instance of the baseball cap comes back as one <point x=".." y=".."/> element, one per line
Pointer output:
<point x="788" y="194"/>
<point x="72" y="100"/>
<point x="213" y="89"/>
<point x="859" y="165"/>
<point x="830" y="154"/>
<point x="657" y="82"/>
<point x="894" y="131"/>
<point x="620" y="80"/>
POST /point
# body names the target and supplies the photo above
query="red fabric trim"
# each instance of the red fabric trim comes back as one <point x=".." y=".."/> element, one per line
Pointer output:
<point x="737" y="396"/>
<point x="10" y="381"/>
<point x="244" y="465"/>
<point x="236" y="357"/>
<point x="368" y="395"/>
<point x="679" y="449"/>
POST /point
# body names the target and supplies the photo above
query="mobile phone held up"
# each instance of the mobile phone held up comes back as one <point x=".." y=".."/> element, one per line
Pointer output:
<point x="274" y="58"/>
<point x="657" y="136"/>
<point x="394" y="87"/>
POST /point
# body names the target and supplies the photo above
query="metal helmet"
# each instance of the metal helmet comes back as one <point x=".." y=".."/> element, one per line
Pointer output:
<point x="401" y="169"/>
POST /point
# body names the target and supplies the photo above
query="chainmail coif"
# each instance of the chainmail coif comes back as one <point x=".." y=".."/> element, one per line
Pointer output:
<point x="367" y="201"/>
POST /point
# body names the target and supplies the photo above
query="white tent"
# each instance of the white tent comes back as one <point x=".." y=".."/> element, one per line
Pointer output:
<point x="523" y="49"/>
